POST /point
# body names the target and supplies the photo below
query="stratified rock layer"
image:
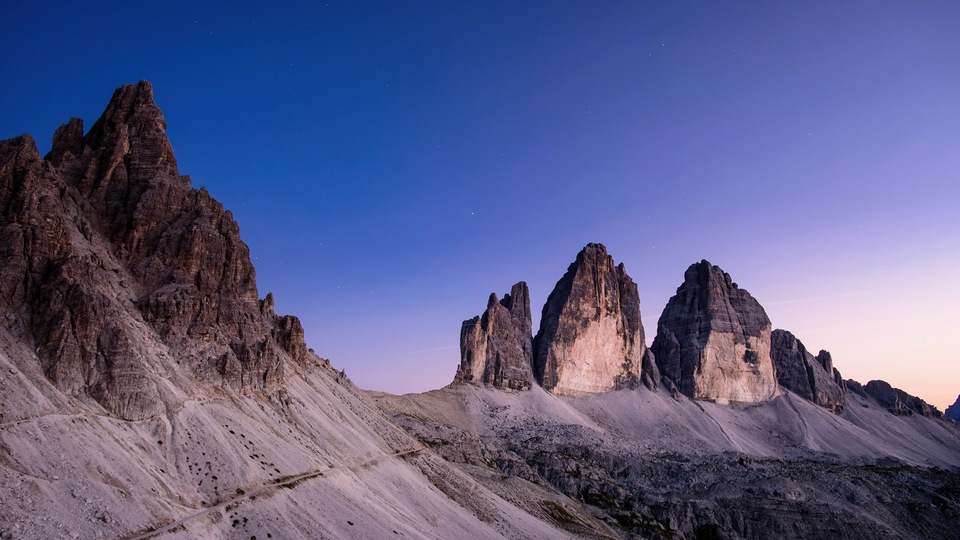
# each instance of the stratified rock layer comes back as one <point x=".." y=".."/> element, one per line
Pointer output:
<point x="893" y="399"/>
<point x="591" y="338"/>
<point x="496" y="349"/>
<point x="812" y="378"/>
<point x="110" y="260"/>
<point x="713" y="340"/>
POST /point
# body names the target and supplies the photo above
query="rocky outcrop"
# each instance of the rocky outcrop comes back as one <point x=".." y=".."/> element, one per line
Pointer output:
<point x="893" y="399"/>
<point x="591" y="338"/>
<point x="713" y="340"/>
<point x="110" y="261"/>
<point x="953" y="411"/>
<point x="496" y="348"/>
<point x="812" y="378"/>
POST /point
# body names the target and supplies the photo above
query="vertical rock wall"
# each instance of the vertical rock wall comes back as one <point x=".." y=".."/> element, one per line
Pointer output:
<point x="591" y="338"/>
<point x="713" y="340"/>
<point x="496" y="348"/>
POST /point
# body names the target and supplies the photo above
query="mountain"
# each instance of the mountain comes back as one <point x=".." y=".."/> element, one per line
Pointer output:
<point x="148" y="390"/>
<point x="496" y="348"/>
<point x="713" y="340"/>
<point x="591" y="338"/>
<point x="750" y="436"/>
<point x="110" y="255"/>
<point x="953" y="411"/>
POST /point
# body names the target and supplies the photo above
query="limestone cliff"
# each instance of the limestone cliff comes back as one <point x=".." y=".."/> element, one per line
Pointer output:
<point x="111" y="261"/>
<point x="713" y="340"/>
<point x="496" y="348"/>
<point x="812" y="378"/>
<point x="591" y="338"/>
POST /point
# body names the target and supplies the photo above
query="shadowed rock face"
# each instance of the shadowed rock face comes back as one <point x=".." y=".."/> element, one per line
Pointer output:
<point x="591" y="338"/>
<point x="496" y="348"/>
<point x="953" y="411"/>
<point x="893" y="399"/>
<point x="812" y="378"/>
<point x="713" y="340"/>
<point x="108" y="255"/>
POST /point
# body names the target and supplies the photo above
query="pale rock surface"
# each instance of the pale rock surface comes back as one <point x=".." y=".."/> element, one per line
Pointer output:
<point x="812" y="378"/>
<point x="591" y="338"/>
<point x="496" y="348"/>
<point x="713" y="340"/>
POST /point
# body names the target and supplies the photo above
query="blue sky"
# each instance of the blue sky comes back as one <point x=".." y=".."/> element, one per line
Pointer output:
<point x="392" y="163"/>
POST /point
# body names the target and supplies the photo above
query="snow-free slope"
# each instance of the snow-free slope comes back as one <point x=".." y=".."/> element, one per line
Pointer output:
<point x="147" y="390"/>
<point x="663" y="466"/>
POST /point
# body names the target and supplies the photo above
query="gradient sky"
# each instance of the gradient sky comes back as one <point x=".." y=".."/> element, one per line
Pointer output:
<point x="392" y="163"/>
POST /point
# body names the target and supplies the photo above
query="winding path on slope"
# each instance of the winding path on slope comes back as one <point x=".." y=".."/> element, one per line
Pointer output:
<point x="278" y="483"/>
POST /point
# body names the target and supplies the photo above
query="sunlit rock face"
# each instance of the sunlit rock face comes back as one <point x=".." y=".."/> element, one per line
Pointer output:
<point x="591" y="338"/>
<point x="812" y="378"/>
<point x="713" y="340"/>
<point x="496" y="348"/>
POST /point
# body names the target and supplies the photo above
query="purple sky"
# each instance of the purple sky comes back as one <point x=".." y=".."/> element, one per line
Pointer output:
<point x="392" y="164"/>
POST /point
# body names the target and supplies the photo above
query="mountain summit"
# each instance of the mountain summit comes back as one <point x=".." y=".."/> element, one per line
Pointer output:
<point x="114" y="266"/>
<point x="496" y="348"/>
<point x="591" y="338"/>
<point x="713" y="340"/>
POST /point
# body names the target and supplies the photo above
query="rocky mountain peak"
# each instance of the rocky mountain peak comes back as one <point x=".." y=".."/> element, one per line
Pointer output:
<point x="67" y="142"/>
<point x="953" y="411"/>
<point x="713" y="340"/>
<point x="113" y="266"/>
<point x="591" y="338"/>
<point x="496" y="348"/>
<point x="133" y="125"/>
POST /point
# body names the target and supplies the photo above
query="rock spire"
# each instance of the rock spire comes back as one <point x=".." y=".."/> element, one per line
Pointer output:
<point x="713" y="340"/>
<point x="591" y="338"/>
<point x="496" y="348"/>
<point x="117" y="269"/>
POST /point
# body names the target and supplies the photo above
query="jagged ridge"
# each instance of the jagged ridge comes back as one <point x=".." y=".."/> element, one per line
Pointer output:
<point x="107" y="253"/>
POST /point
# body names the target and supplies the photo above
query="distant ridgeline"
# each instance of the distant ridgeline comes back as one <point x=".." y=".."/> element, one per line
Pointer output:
<point x="714" y="342"/>
<point x="953" y="411"/>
